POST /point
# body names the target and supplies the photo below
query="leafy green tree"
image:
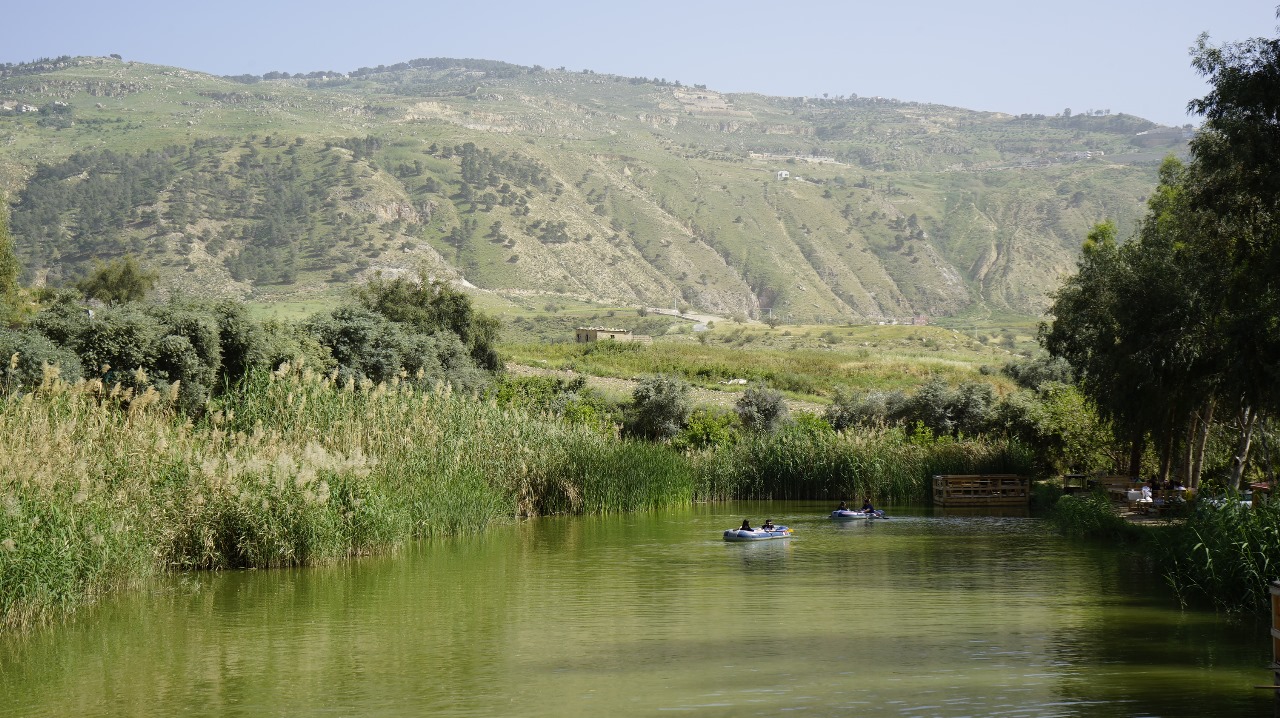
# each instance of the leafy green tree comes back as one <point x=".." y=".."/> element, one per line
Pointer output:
<point x="1031" y="373"/>
<point x="870" y="409"/>
<point x="932" y="406"/>
<point x="1057" y="422"/>
<point x="367" y="345"/>
<point x="1186" y="318"/>
<point x="1233" y="188"/>
<point x="364" y="344"/>
<point x="659" y="409"/>
<point x="761" y="409"/>
<point x="24" y="356"/>
<point x="118" y="281"/>
<point x="431" y="306"/>
<point x="1099" y="326"/>
<point x="241" y="341"/>
<point x="707" y="428"/>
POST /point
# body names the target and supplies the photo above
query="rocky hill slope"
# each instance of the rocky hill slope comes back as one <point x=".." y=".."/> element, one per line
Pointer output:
<point x="535" y="185"/>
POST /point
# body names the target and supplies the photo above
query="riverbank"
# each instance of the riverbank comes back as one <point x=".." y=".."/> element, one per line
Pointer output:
<point x="100" y="489"/>
<point x="1218" y="553"/>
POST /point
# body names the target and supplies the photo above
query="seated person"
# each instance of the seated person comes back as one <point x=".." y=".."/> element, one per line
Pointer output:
<point x="866" y="505"/>
<point x="767" y="525"/>
<point x="1146" y="493"/>
<point x="746" y="526"/>
<point x="842" y="507"/>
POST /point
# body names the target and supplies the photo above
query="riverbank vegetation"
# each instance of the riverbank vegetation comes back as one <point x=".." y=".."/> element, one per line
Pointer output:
<point x="1174" y="332"/>
<point x="138" y="438"/>
<point x="1219" y="552"/>
<point x="103" y="486"/>
<point x="1174" y="338"/>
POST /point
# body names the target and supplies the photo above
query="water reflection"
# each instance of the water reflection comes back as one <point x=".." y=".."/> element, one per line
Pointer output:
<point x="926" y="614"/>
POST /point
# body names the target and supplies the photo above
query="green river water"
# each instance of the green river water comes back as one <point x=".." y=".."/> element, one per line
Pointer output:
<point x="926" y="614"/>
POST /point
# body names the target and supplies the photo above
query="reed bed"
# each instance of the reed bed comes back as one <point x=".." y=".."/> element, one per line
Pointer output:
<point x="1225" y="554"/>
<point x="885" y="464"/>
<point x="1092" y="516"/>
<point x="101" y="488"/>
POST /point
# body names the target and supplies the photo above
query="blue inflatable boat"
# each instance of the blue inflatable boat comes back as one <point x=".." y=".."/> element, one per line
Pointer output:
<point x="850" y="515"/>
<point x="777" y="532"/>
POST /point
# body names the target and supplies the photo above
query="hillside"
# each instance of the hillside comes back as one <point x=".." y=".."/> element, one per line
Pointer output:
<point x="537" y="186"/>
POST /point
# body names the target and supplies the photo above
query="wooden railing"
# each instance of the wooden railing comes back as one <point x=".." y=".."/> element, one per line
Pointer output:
<point x="981" y="490"/>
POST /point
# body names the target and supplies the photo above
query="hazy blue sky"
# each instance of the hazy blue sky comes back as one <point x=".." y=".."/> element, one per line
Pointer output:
<point x="1007" y="55"/>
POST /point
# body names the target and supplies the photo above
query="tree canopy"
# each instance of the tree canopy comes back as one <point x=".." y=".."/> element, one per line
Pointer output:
<point x="119" y="281"/>
<point x="1185" y="317"/>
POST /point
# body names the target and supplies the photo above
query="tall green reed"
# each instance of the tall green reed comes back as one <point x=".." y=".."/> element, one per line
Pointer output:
<point x="803" y="463"/>
<point x="101" y="488"/>
<point x="1225" y="553"/>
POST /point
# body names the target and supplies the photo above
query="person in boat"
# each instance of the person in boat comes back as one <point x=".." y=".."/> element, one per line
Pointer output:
<point x="767" y="525"/>
<point x="844" y="506"/>
<point x="867" y="508"/>
<point x="746" y="526"/>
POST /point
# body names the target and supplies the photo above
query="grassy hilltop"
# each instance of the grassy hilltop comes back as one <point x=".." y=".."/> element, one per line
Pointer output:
<point x="542" y="186"/>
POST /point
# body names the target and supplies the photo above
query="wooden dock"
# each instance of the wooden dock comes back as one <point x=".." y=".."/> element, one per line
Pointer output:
<point x="981" y="490"/>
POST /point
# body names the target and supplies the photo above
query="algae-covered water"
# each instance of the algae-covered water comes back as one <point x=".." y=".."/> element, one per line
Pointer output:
<point x="925" y="614"/>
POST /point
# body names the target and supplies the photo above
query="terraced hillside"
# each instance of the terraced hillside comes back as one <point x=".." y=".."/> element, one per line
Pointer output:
<point x="538" y="185"/>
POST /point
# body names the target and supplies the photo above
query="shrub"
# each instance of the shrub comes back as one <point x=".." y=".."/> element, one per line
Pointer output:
<point x="34" y="352"/>
<point x="871" y="409"/>
<point x="1091" y="516"/>
<point x="707" y="428"/>
<point x="660" y="405"/>
<point x="1030" y="374"/>
<point x="761" y="409"/>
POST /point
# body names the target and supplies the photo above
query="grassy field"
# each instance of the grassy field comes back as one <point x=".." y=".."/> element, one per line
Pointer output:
<point x="806" y="362"/>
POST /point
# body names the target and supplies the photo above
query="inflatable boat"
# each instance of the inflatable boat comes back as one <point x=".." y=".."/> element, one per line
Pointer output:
<point x="776" y="532"/>
<point x="847" y="514"/>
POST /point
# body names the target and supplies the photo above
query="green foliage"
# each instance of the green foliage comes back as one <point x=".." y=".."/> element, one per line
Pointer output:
<point x="1091" y="516"/>
<point x="1060" y="426"/>
<point x="1233" y="197"/>
<point x="571" y="399"/>
<point x="761" y="409"/>
<point x="118" y="281"/>
<point x="659" y="408"/>
<point x="1031" y="373"/>
<point x="874" y="408"/>
<point x="24" y="356"/>
<point x="430" y="307"/>
<point x="707" y="428"/>
<point x="9" y="268"/>
<point x="1164" y="328"/>
<point x="1225" y="553"/>
<point x="241" y="342"/>
<point x="116" y="343"/>
<point x="808" y="460"/>
<point x="369" y="347"/>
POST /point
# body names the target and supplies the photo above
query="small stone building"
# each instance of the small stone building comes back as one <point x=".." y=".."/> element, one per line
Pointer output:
<point x="585" y="335"/>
